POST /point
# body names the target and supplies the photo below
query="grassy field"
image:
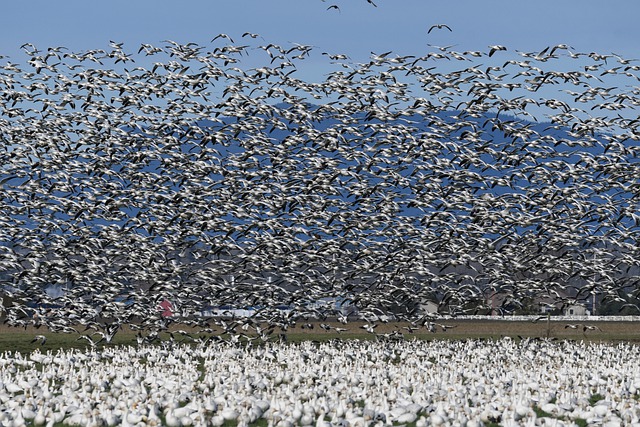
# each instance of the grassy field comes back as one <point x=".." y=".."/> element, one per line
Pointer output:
<point x="20" y="339"/>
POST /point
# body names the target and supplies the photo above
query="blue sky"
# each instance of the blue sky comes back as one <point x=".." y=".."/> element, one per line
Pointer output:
<point x="356" y="30"/>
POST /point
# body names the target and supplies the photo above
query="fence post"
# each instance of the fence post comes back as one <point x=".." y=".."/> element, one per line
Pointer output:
<point x="548" y="324"/>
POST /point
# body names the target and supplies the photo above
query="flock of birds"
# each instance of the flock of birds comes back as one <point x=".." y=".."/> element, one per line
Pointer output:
<point x="336" y="7"/>
<point x="354" y="383"/>
<point x="177" y="173"/>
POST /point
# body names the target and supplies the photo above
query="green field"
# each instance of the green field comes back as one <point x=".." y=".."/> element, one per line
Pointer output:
<point x="20" y="339"/>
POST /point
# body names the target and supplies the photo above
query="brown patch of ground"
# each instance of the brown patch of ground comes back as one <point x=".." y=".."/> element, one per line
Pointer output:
<point x="460" y="328"/>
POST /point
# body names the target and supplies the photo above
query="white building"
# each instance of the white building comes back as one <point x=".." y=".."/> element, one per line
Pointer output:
<point x="576" y="310"/>
<point x="429" y="307"/>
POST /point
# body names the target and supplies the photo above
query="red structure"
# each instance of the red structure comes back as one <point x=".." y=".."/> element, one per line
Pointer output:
<point x="167" y="308"/>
